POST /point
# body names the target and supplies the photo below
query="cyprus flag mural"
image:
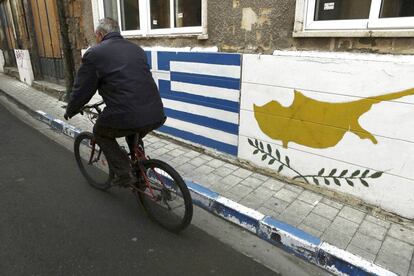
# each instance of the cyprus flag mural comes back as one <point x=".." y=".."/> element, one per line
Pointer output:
<point x="340" y="121"/>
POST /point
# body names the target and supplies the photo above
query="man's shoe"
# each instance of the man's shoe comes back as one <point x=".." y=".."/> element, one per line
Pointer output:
<point x="124" y="181"/>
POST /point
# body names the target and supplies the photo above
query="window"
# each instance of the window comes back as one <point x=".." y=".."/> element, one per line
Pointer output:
<point x="129" y="15"/>
<point x="110" y="9"/>
<point x="155" y="17"/>
<point x="365" y="16"/>
<point x="393" y="8"/>
<point x="339" y="10"/>
<point x="160" y="14"/>
<point x="188" y="13"/>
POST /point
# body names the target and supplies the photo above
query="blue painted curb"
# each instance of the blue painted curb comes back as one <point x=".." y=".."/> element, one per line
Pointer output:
<point x="282" y="235"/>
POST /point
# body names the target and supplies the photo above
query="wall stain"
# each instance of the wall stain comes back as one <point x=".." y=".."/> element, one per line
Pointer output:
<point x="317" y="124"/>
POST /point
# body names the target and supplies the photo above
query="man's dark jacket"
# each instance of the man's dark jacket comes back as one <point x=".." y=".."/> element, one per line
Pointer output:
<point x="119" y="69"/>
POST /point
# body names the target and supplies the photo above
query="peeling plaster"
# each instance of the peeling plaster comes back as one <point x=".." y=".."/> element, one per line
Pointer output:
<point x="249" y="19"/>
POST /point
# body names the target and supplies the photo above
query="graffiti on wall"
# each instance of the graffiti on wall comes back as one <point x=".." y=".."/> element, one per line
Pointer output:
<point x="24" y="66"/>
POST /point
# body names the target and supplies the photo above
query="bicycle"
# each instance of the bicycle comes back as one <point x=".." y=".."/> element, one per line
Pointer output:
<point x="161" y="187"/>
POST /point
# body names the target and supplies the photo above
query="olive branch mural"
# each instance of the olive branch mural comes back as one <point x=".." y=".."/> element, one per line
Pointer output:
<point x="323" y="176"/>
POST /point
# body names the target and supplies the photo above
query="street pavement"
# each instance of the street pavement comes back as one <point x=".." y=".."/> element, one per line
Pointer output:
<point x="53" y="223"/>
<point x="387" y="241"/>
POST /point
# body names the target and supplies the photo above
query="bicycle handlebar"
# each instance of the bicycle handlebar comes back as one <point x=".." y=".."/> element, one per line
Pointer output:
<point x="87" y="108"/>
<point x="94" y="106"/>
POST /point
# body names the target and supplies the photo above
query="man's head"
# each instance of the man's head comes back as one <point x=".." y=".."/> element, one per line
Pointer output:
<point x="106" y="26"/>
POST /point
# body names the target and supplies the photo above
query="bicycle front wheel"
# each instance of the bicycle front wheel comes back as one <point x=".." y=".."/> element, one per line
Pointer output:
<point x="166" y="200"/>
<point x="92" y="161"/>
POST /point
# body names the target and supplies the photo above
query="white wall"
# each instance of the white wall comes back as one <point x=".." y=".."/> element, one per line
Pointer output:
<point x="336" y="78"/>
<point x="24" y="65"/>
<point x="1" y="61"/>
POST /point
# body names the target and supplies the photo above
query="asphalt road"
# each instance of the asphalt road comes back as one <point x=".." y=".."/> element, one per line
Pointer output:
<point x="53" y="223"/>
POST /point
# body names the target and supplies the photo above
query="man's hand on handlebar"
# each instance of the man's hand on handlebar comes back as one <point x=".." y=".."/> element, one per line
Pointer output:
<point x="86" y="109"/>
<point x="66" y="116"/>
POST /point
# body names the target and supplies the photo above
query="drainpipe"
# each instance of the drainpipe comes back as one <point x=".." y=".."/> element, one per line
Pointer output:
<point x="68" y="62"/>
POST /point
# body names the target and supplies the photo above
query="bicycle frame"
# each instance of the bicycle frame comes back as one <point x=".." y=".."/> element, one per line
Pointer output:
<point x="140" y="156"/>
<point x="137" y="154"/>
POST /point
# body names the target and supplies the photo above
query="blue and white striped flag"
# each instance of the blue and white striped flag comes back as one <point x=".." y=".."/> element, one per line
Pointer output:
<point x="201" y="95"/>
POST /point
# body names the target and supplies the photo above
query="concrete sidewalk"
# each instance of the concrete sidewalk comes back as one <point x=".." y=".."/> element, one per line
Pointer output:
<point x="381" y="241"/>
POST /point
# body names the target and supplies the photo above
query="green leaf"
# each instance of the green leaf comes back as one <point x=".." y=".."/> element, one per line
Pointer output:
<point x="337" y="182"/>
<point x="365" y="174"/>
<point x="280" y="168"/>
<point x="255" y="152"/>
<point x="377" y="175"/>
<point x="356" y="173"/>
<point x="261" y="145"/>
<point x="320" y="173"/>
<point x="315" y="180"/>
<point x="327" y="182"/>
<point x="278" y="155"/>
<point x="264" y="157"/>
<point x="272" y="161"/>
<point x="343" y="173"/>
<point x="250" y="142"/>
<point x="269" y="149"/>
<point x="333" y="172"/>
<point x="350" y="183"/>
<point x="364" y="182"/>
<point x="287" y="161"/>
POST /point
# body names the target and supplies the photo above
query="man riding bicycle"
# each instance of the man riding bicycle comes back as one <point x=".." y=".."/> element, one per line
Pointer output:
<point x="119" y="70"/>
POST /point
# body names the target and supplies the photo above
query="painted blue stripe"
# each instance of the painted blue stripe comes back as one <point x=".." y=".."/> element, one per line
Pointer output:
<point x="215" y="81"/>
<point x="291" y="230"/>
<point x="231" y="214"/>
<point x="203" y="101"/>
<point x="165" y="91"/>
<point x="164" y="58"/>
<point x="202" y="190"/>
<point x="346" y="268"/>
<point x="220" y="146"/>
<point x="149" y="58"/>
<point x="202" y="121"/>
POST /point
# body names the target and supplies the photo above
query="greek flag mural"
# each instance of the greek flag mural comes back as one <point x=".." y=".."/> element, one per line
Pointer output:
<point x="201" y="95"/>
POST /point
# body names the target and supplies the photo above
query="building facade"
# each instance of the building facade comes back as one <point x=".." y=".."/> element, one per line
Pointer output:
<point x="36" y="26"/>
<point x="318" y="91"/>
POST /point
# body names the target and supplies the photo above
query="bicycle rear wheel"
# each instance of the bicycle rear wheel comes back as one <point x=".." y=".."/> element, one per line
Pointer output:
<point x="92" y="161"/>
<point x="167" y="200"/>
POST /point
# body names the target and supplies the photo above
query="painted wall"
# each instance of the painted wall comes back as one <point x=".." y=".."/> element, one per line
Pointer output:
<point x="2" y="62"/>
<point x="201" y="94"/>
<point x="24" y="66"/>
<point x="341" y="121"/>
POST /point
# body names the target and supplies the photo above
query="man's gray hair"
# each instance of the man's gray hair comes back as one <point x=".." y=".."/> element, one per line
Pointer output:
<point x="107" y="25"/>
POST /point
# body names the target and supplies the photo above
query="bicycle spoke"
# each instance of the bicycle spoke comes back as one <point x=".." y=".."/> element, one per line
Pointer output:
<point x="167" y="199"/>
<point x="92" y="162"/>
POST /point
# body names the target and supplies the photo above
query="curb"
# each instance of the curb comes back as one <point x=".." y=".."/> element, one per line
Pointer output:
<point x="282" y="235"/>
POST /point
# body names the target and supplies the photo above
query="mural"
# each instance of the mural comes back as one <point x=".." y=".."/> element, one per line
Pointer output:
<point x="302" y="121"/>
<point x="334" y="176"/>
<point x="338" y="120"/>
<point x="201" y="95"/>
